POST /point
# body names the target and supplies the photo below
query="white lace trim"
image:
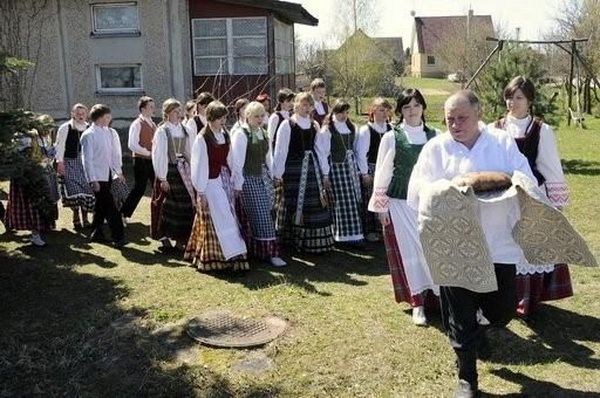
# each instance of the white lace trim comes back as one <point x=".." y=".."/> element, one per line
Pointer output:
<point x="530" y="269"/>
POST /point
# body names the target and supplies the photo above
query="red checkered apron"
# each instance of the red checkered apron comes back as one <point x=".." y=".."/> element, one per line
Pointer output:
<point x="535" y="288"/>
<point x="399" y="281"/>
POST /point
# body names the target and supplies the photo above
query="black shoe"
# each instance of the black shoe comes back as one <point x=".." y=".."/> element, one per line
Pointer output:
<point x="464" y="389"/>
<point x="119" y="243"/>
<point x="98" y="237"/>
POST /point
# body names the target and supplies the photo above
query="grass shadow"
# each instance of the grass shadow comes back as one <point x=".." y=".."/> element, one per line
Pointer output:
<point x="555" y="336"/>
<point x="535" y="388"/>
<point x="65" y="333"/>
<point x="581" y="167"/>
<point x="303" y="270"/>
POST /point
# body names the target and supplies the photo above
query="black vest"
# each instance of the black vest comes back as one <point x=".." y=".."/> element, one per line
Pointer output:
<point x="300" y="140"/>
<point x="375" y="141"/>
<point x="73" y="145"/>
<point x="528" y="145"/>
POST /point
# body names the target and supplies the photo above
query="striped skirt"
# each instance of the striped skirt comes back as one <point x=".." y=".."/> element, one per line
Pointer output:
<point x="204" y="250"/>
<point x="74" y="187"/>
<point x="399" y="280"/>
<point x="313" y="233"/>
<point x="347" y="208"/>
<point x="21" y="215"/>
<point x="542" y="286"/>
<point x="172" y="213"/>
<point x="371" y="221"/>
<point x="256" y="217"/>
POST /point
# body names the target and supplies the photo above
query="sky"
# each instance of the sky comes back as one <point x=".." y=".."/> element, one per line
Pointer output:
<point x="533" y="17"/>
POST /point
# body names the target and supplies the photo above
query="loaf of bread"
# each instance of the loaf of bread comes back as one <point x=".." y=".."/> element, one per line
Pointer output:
<point x="483" y="181"/>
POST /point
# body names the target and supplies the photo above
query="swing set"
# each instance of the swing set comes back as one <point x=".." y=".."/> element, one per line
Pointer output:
<point x="577" y="61"/>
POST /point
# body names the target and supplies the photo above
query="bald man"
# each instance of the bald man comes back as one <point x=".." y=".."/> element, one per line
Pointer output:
<point x="471" y="146"/>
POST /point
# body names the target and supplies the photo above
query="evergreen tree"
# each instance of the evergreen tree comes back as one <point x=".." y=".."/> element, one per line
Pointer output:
<point x="515" y="61"/>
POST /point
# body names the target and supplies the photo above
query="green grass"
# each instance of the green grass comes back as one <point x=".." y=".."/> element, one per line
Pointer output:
<point x="81" y="319"/>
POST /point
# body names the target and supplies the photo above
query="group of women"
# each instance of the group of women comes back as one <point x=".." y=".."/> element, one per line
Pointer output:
<point x="304" y="176"/>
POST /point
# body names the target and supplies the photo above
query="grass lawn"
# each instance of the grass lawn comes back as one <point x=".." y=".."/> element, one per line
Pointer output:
<point x="80" y="319"/>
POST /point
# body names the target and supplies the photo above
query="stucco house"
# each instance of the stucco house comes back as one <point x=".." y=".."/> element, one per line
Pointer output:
<point x="113" y="51"/>
<point x="431" y="32"/>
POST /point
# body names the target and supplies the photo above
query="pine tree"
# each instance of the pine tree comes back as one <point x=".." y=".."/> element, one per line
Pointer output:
<point x="515" y="61"/>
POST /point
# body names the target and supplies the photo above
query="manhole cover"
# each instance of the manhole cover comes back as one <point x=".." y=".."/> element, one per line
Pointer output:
<point x="224" y="329"/>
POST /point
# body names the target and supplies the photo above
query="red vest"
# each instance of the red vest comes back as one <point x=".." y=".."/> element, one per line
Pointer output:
<point x="146" y="135"/>
<point x="217" y="157"/>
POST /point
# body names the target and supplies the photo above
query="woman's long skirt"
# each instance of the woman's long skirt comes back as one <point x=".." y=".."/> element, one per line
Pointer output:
<point x="172" y="213"/>
<point x="309" y="231"/>
<point x="535" y="287"/>
<point x="74" y="187"/>
<point x="347" y="206"/>
<point x="22" y="215"/>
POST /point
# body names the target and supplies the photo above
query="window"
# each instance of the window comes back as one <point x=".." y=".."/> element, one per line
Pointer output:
<point x="230" y="46"/>
<point x="430" y="60"/>
<point x="284" y="48"/>
<point x="115" y="19"/>
<point x="119" y="79"/>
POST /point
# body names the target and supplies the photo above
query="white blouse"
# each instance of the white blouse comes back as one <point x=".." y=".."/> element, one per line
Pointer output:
<point x="384" y="168"/>
<point x="323" y="143"/>
<point x="160" y="148"/>
<point x="444" y="158"/>
<point x="319" y="108"/>
<point x="548" y="159"/>
<point x="61" y="137"/>
<point x="239" y="145"/>
<point x="199" y="162"/>
<point x="363" y="143"/>
<point x="101" y="153"/>
<point x="282" y="144"/>
<point x="134" y="135"/>
<point x="191" y="126"/>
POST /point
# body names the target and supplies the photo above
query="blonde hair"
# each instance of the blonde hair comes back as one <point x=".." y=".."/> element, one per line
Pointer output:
<point x="302" y="97"/>
<point x="78" y="105"/>
<point x="168" y="106"/>
<point x="254" y="108"/>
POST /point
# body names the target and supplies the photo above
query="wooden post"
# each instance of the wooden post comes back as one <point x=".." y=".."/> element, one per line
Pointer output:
<point x="485" y="62"/>
<point x="570" y="83"/>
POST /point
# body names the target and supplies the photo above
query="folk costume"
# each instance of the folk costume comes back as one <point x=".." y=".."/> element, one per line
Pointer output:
<point x="172" y="212"/>
<point x="25" y="212"/>
<point x="535" y="139"/>
<point x="367" y="146"/>
<point x="249" y="148"/>
<point x="321" y="109"/>
<point x="102" y="162"/>
<point x="445" y="158"/>
<point x="195" y="124"/>
<point x="216" y="242"/>
<point x="397" y="154"/>
<point x="141" y="134"/>
<point x="335" y="144"/>
<point x="302" y="214"/>
<point x="74" y="188"/>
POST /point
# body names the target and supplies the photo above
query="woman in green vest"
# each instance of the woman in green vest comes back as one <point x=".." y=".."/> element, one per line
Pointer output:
<point x="397" y="155"/>
<point x="249" y="149"/>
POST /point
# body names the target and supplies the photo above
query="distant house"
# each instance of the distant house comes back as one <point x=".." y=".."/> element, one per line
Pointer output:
<point x="113" y="51"/>
<point x="380" y="49"/>
<point x="430" y="32"/>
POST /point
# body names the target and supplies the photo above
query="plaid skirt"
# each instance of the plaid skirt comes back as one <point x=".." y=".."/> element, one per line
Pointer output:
<point x="120" y="192"/>
<point x="544" y="286"/>
<point x="254" y="212"/>
<point x="347" y="208"/>
<point x="399" y="281"/>
<point x="172" y="212"/>
<point x="371" y="221"/>
<point x="313" y="234"/>
<point x="74" y="187"/>
<point x="204" y="250"/>
<point x="21" y="215"/>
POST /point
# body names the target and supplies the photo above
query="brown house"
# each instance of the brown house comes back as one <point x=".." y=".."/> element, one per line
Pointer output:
<point x="431" y="32"/>
<point x="243" y="47"/>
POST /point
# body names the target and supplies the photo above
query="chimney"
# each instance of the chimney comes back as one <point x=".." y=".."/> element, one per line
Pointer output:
<point x="469" y="17"/>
